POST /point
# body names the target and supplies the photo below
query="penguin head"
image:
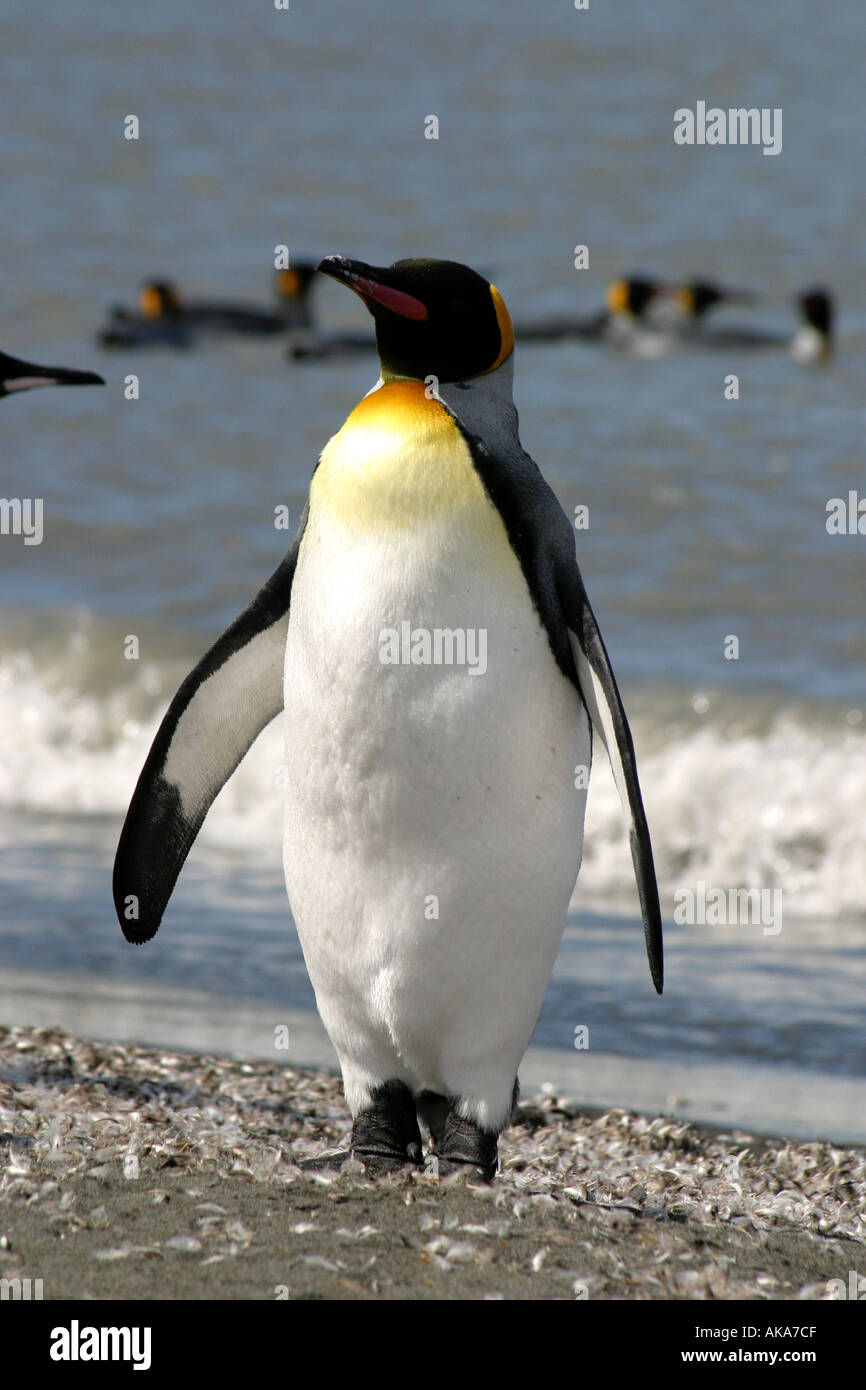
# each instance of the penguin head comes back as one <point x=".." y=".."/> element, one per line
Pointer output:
<point x="813" y="341"/>
<point x="699" y="296"/>
<point x="695" y="299"/>
<point x="433" y="318"/>
<point x="816" y="309"/>
<point x="293" y="283"/>
<point x="157" y="299"/>
<point x="631" y="296"/>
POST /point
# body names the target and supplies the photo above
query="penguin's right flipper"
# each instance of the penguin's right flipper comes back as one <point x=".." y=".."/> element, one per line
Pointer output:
<point x="223" y="705"/>
<point x="602" y="699"/>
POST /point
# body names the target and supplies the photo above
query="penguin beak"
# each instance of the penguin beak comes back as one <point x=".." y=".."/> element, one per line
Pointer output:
<point x="371" y="283"/>
<point x="25" y="376"/>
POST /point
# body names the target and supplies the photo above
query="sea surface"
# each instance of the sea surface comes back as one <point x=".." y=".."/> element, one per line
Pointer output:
<point x="707" y="516"/>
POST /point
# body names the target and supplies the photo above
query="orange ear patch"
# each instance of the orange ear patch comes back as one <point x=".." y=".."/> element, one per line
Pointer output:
<point x="289" y="283"/>
<point x="616" y="297"/>
<point x="150" y="302"/>
<point x="506" y="330"/>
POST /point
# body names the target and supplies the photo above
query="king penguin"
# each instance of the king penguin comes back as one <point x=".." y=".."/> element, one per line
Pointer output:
<point x="435" y="803"/>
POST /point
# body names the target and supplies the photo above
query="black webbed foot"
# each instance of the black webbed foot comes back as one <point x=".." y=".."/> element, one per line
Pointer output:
<point x="464" y="1146"/>
<point x="385" y="1134"/>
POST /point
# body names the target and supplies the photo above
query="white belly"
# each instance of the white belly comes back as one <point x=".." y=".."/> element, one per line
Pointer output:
<point x="433" y="830"/>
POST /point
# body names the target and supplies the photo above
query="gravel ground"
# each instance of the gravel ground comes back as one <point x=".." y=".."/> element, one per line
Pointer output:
<point x="131" y="1172"/>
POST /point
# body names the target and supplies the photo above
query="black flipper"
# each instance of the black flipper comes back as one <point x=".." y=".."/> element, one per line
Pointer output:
<point x="223" y="705"/>
<point x="602" y="700"/>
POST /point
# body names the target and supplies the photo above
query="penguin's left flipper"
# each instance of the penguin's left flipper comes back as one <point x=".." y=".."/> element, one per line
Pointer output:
<point x="223" y="705"/>
<point x="602" y="699"/>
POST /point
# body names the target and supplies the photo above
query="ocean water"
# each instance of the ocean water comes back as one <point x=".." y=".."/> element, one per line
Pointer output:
<point x="706" y="516"/>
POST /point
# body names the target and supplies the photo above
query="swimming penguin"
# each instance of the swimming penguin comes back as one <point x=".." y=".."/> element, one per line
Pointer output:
<point x="431" y="644"/>
<point x="622" y="323"/>
<point x="158" y="321"/>
<point x="812" y="342"/>
<point x="164" y="317"/>
<point x="16" y="375"/>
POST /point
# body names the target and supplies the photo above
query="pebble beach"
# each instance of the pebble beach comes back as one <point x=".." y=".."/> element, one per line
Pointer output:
<point x="132" y="1172"/>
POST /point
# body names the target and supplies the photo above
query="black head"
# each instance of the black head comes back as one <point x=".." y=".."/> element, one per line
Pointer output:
<point x="699" y="296"/>
<point x="631" y="296"/>
<point x="816" y="307"/>
<point x="16" y="375"/>
<point x="157" y="299"/>
<point x="433" y="318"/>
<point x="293" y="283"/>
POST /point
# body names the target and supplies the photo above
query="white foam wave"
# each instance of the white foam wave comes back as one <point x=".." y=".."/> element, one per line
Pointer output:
<point x="71" y="753"/>
<point x="783" y="808"/>
<point x="777" y="804"/>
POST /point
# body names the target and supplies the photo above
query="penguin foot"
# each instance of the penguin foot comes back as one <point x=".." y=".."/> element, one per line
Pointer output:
<point x="465" y="1146"/>
<point x="385" y="1135"/>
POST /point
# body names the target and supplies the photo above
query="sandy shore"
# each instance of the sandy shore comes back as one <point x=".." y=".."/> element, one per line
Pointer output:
<point x="137" y="1173"/>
